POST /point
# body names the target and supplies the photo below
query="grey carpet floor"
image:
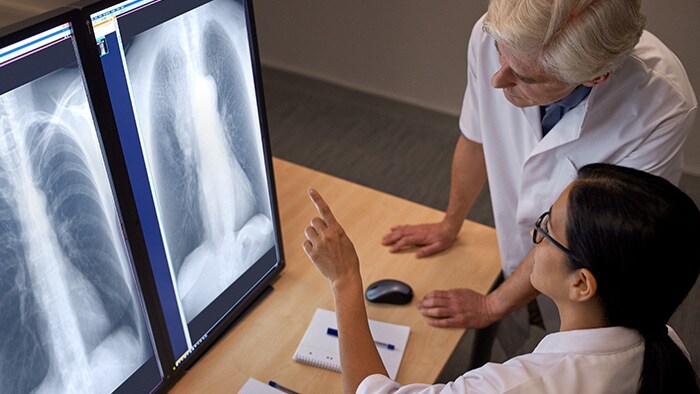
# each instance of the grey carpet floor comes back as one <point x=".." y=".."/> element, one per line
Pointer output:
<point x="402" y="150"/>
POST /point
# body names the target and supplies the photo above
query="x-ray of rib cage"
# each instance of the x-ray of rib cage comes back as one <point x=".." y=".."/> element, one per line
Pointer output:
<point x="70" y="319"/>
<point x="192" y="84"/>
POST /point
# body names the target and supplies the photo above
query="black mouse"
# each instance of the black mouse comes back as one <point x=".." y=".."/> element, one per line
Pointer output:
<point x="389" y="291"/>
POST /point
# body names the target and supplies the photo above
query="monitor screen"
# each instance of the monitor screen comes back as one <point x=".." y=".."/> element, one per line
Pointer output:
<point x="184" y="87"/>
<point x="72" y="317"/>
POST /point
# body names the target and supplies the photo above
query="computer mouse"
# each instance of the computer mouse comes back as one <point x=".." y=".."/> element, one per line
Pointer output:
<point x="389" y="291"/>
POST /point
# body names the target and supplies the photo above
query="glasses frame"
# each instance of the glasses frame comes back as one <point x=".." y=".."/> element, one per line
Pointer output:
<point x="538" y="229"/>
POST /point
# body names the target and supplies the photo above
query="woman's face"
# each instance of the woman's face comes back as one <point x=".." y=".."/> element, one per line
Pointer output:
<point x="550" y="274"/>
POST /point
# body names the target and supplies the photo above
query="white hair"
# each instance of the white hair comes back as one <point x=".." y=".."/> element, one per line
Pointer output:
<point x="575" y="40"/>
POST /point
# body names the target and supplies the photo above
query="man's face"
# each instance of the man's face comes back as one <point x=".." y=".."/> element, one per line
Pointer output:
<point x="523" y="81"/>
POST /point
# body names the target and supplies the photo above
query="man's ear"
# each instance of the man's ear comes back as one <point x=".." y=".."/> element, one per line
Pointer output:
<point x="597" y="80"/>
<point x="584" y="286"/>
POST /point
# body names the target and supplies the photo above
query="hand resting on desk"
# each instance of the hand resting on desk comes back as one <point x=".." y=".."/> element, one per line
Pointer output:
<point x="463" y="308"/>
<point x="430" y="238"/>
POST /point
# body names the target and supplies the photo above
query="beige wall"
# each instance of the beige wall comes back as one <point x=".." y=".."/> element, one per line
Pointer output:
<point x="411" y="50"/>
<point x="12" y="11"/>
<point x="415" y="50"/>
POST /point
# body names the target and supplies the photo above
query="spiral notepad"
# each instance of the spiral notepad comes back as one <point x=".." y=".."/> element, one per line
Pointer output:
<point x="320" y="349"/>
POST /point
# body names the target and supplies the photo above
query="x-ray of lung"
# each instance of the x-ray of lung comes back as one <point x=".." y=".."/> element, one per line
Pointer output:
<point x="192" y="83"/>
<point x="70" y="317"/>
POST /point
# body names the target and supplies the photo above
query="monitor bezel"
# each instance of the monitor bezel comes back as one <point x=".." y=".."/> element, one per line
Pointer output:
<point x="88" y="8"/>
<point x="120" y="187"/>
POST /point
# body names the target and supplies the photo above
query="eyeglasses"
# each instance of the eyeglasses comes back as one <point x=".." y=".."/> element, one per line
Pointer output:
<point x="538" y="234"/>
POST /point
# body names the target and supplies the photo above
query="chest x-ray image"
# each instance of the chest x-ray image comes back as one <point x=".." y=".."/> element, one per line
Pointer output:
<point x="70" y="316"/>
<point x="193" y="89"/>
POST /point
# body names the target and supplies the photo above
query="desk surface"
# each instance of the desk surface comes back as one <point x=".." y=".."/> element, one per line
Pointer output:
<point x="262" y="344"/>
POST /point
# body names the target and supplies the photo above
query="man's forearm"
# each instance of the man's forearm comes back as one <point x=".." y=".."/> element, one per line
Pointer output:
<point x="514" y="292"/>
<point x="467" y="179"/>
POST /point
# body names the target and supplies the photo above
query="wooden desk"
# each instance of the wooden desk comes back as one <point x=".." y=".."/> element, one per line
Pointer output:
<point x="262" y="344"/>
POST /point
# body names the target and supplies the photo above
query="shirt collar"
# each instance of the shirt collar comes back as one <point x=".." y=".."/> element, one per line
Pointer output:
<point x="594" y="340"/>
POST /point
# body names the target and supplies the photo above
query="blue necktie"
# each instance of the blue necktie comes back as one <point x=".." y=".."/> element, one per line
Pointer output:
<point x="551" y="114"/>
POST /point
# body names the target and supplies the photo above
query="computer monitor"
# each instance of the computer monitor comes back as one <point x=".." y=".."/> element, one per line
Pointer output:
<point x="72" y="316"/>
<point x="184" y="85"/>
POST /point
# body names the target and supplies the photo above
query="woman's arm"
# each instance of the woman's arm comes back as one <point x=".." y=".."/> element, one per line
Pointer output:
<point x="334" y="255"/>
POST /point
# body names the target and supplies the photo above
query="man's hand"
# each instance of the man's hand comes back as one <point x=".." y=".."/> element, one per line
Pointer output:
<point x="457" y="308"/>
<point x="327" y="245"/>
<point x="430" y="238"/>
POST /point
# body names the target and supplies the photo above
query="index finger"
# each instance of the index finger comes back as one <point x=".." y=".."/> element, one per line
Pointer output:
<point x="323" y="209"/>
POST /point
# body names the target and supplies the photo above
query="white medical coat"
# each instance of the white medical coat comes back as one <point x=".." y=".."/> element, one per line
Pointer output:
<point x="593" y="361"/>
<point x="639" y="117"/>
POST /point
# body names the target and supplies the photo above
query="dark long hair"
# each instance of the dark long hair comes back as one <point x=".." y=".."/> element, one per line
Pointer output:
<point x="640" y="237"/>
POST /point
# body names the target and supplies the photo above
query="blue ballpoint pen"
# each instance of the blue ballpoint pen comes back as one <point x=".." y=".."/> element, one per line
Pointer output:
<point x="281" y="388"/>
<point x="334" y="333"/>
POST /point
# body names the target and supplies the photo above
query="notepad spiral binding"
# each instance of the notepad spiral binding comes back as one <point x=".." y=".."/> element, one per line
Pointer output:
<point x="329" y="362"/>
